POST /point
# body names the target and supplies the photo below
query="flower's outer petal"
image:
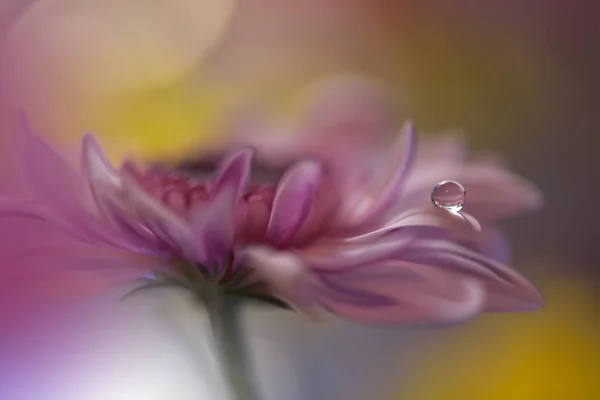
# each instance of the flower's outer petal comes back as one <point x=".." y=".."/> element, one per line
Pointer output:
<point x="51" y="180"/>
<point x="293" y="201"/>
<point x="21" y="208"/>
<point x="284" y="272"/>
<point x="344" y="254"/>
<point x="506" y="289"/>
<point x="493" y="192"/>
<point x="106" y="187"/>
<point x="213" y="225"/>
<point x="450" y="147"/>
<point x="398" y="292"/>
<point x="164" y="223"/>
<point x="235" y="170"/>
<point x="341" y="117"/>
<point x="40" y="261"/>
<point x="427" y="217"/>
<point x="343" y="114"/>
<point x="493" y="243"/>
<point x="59" y="189"/>
<point x="385" y="187"/>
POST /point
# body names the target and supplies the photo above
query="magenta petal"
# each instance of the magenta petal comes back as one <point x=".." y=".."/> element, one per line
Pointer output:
<point x="96" y="167"/>
<point x="495" y="193"/>
<point x="51" y="179"/>
<point x="385" y="188"/>
<point x="347" y="254"/>
<point x="40" y="261"/>
<point x="293" y="201"/>
<point x="164" y="223"/>
<point x="284" y="272"/>
<point x="507" y="289"/>
<point x="493" y="243"/>
<point x="213" y="224"/>
<point x="398" y="292"/>
<point x="427" y="217"/>
<point x="21" y="208"/>
<point x="106" y="187"/>
<point x="342" y="117"/>
<point x="59" y="188"/>
<point x="235" y="170"/>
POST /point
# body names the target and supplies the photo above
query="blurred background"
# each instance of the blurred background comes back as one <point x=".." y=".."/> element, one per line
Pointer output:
<point x="520" y="78"/>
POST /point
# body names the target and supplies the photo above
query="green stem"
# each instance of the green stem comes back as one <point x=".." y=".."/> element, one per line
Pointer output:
<point x="224" y="315"/>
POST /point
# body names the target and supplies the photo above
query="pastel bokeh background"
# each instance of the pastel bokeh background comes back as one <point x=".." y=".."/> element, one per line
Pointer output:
<point x="152" y="78"/>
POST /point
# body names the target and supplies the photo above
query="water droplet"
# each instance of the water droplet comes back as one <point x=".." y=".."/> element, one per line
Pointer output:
<point x="449" y="195"/>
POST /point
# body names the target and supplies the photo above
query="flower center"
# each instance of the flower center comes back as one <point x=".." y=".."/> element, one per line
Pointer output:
<point x="183" y="193"/>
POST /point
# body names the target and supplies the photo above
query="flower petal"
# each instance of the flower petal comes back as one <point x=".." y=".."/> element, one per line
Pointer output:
<point x="427" y="217"/>
<point x="343" y="114"/>
<point x="164" y="223"/>
<point x="106" y="187"/>
<point x="59" y="195"/>
<point x="96" y="166"/>
<point x="493" y="191"/>
<point x="506" y="288"/>
<point x="375" y="199"/>
<point x="400" y="293"/>
<point x="40" y="260"/>
<point x="342" y="254"/>
<point x="235" y="170"/>
<point x="284" y="272"/>
<point x="293" y="201"/>
<point x="213" y="225"/>
<point x="51" y="180"/>
<point x="496" y="193"/>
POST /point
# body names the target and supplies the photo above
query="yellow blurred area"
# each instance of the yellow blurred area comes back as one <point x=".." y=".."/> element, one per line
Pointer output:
<point x="113" y="68"/>
<point x="548" y="355"/>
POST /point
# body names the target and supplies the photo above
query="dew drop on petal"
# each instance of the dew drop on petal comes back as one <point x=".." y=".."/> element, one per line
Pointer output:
<point x="449" y="195"/>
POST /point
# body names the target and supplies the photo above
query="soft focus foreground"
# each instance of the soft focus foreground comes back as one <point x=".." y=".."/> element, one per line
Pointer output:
<point x="517" y="77"/>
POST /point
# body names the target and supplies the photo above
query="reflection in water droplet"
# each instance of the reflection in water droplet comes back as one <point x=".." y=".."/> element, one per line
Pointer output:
<point x="449" y="195"/>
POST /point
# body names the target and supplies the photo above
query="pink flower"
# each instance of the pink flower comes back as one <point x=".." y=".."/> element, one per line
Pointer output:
<point x="314" y="234"/>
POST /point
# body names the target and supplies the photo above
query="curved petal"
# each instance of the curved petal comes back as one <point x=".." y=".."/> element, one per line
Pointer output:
<point x="375" y="199"/>
<point x="106" y="186"/>
<point x="213" y="225"/>
<point x="343" y="115"/>
<point x="235" y="170"/>
<point x="293" y="201"/>
<point x="341" y="254"/>
<point x="284" y="272"/>
<point x="41" y="261"/>
<point x="21" y="208"/>
<point x="493" y="243"/>
<point x="58" y="195"/>
<point x="506" y="288"/>
<point x="164" y="223"/>
<point x="493" y="191"/>
<point x="427" y="217"/>
<point x="399" y="292"/>
<point x="449" y="147"/>
<point x="51" y="179"/>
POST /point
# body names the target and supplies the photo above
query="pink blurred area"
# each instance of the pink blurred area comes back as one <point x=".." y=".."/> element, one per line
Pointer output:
<point x="519" y="77"/>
